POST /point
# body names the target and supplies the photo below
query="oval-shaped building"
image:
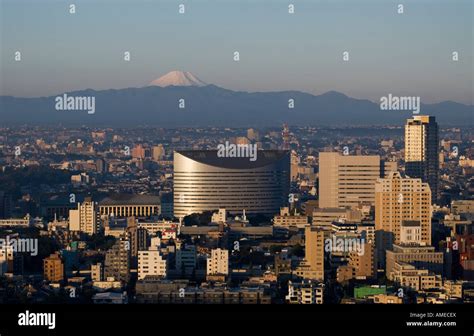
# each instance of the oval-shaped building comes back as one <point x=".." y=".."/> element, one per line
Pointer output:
<point x="203" y="181"/>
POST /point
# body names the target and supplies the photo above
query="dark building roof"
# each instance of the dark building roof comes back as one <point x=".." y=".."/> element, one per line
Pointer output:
<point x="130" y="199"/>
<point x="209" y="157"/>
<point x="61" y="200"/>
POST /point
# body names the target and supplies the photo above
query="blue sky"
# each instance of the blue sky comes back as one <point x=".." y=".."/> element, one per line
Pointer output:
<point x="408" y="54"/>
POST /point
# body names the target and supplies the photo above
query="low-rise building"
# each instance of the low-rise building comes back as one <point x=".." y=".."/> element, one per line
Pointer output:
<point x="110" y="298"/>
<point x="25" y="222"/>
<point x="423" y="257"/>
<point x="305" y="292"/>
<point x="409" y="276"/>
<point x="151" y="262"/>
<point x="287" y="219"/>
<point x="156" y="290"/>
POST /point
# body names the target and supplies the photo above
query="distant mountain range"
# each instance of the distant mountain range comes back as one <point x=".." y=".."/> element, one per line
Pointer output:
<point x="208" y="105"/>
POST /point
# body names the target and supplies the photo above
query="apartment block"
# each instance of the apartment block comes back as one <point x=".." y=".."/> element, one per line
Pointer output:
<point x="53" y="268"/>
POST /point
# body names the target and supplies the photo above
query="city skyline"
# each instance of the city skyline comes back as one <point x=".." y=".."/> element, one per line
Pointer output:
<point x="316" y="215"/>
<point x="165" y="161"/>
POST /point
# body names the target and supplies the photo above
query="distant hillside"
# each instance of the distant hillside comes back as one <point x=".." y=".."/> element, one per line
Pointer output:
<point x="211" y="105"/>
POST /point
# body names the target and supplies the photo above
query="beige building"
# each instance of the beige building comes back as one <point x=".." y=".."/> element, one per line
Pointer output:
<point x="97" y="272"/>
<point x="361" y="264"/>
<point x="27" y="221"/>
<point x="421" y="151"/>
<point x="312" y="267"/>
<point x="151" y="262"/>
<point x="345" y="273"/>
<point x="453" y="289"/>
<point x="53" y="268"/>
<point x="419" y="256"/>
<point x="408" y="276"/>
<point x="287" y="219"/>
<point x="463" y="207"/>
<point x="220" y="216"/>
<point x="386" y="299"/>
<point x="155" y="226"/>
<point x="399" y="200"/>
<point x="325" y="217"/>
<point x="218" y="263"/>
<point x="349" y="180"/>
<point x="410" y="232"/>
<point x="85" y="218"/>
<point x="158" y="152"/>
<point x="138" y="152"/>
<point x="364" y="264"/>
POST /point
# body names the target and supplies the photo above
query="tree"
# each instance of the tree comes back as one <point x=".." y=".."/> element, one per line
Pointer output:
<point x="297" y="251"/>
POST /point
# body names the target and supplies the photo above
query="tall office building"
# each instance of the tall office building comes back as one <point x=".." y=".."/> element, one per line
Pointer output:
<point x="203" y="181"/>
<point x="399" y="200"/>
<point x="421" y="151"/>
<point x="85" y="218"/>
<point x="349" y="180"/>
<point x="312" y="267"/>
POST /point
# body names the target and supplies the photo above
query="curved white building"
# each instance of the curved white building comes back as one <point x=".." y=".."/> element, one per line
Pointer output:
<point x="203" y="181"/>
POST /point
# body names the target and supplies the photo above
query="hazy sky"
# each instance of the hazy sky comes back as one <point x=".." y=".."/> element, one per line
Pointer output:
<point x="407" y="54"/>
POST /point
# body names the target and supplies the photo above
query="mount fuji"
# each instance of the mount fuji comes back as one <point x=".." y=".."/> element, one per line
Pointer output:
<point x="178" y="78"/>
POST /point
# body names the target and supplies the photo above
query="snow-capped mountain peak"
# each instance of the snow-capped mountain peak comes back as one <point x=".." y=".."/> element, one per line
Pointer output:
<point x="178" y="78"/>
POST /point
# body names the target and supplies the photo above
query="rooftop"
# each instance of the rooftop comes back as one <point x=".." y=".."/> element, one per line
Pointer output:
<point x="210" y="157"/>
<point x="130" y="199"/>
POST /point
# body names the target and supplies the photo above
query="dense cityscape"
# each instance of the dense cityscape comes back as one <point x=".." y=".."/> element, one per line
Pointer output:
<point x="318" y="215"/>
<point x="233" y="165"/>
